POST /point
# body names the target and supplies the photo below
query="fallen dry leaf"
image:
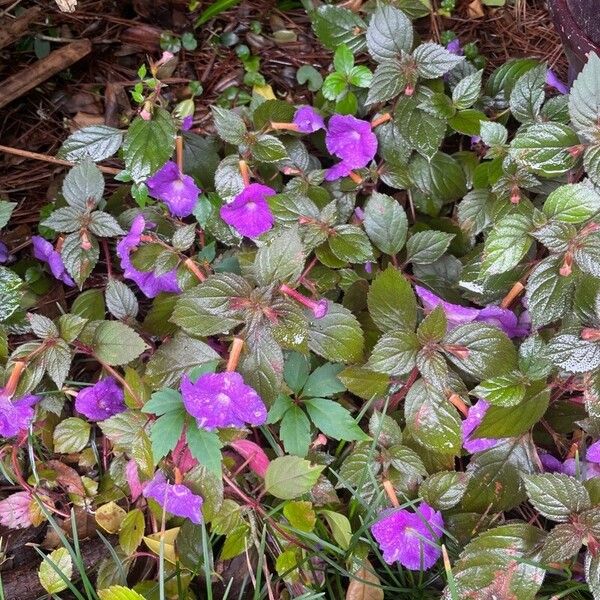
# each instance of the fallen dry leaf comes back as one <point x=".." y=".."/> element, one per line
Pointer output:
<point x="359" y="589"/>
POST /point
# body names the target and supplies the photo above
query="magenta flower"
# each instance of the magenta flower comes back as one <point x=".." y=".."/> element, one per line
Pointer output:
<point x="593" y="452"/>
<point x="175" y="498"/>
<point x="410" y="537"/>
<point x="553" y="81"/>
<point x="101" y="400"/>
<point x="456" y="314"/>
<point x="222" y="400"/>
<point x="187" y="122"/>
<point x="588" y="470"/>
<point x="150" y="284"/>
<point x="43" y="250"/>
<point x="353" y="141"/>
<point x="257" y="460"/>
<point x="249" y="213"/>
<point x="473" y="420"/>
<point x="16" y="415"/>
<point x="133" y="479"/>
<point x="176" y="190"/>
<point x="308" y="120"/>
<point x="4" y="253"/>
<point x="550" y="463"/>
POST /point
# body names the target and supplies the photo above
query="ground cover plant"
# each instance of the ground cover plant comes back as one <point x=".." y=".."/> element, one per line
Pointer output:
<point x="342" y="349"/>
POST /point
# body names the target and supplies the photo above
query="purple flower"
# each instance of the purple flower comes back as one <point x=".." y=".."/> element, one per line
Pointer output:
<point x="187" y="122"/>
<point x="308" y="120"/>
<point x="587" y="469"/>
<point x="4" y="253"/>
<point x="550" y="463"/>
<point x="43" y="250"/>
<point x="456" y="314"/>
<point x="474" y="418"/>
<point x="101" y="400"/>
<point x="410" y="538"/>
<point x="353" y="141"/>
<point x="249" y="213"/>
<point x="593" y="452"/>
<point x="15" y="415"/>
<point x="175" y="498"/>
<point x="150" y="284"/>
<point x="222" y="400"/>
<point x="176" y="190"/>
<point x="454" y="47"/>
<point x="554" y="82"/>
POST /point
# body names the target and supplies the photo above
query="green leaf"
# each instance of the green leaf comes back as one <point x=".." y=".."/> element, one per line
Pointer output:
<point x="497" y="563"/>
<point x="395" y="353"/>
<point x="70" y="326"/>
<point x="308" y="75"/>
<point x="423" y="131"/>
<point x="571" y="353"/>
<point x="166" y="431"/>
<point x="335" y="25"/>
<point x="118" y="592"/>
<point x="281" y="260"/>
<point x="343" y="59"/>
<point x="385" y="223"/>
<point x="229" y="125"/>
<point x="390" y="33"/>
<point x="387" y="83"/>
<point x="333" y="420"/>
<point x="341" y="530"/>
<point x="507" y="244"/>
<point x="425" y="247"/>
<point x="163" y="401"/>
<point x="467" y="122"/>
<point x="206" y="309"/>
<point x="10" y="295"/>
<point x="592" y="566"/>
<point x="300" y="515"/>
<point x="572" y="203"/>
<point x="79" y="262"/>
<point x="504" y="77"/>
<point x="385" y="430"/>
<point x="444" y="490"/>
<point x="228" y="178"/>
<point x="495" y="482"/>
<point x="120" y="300"/>
<point x="83" y="186"/>
<point x="71" y="435"/>
<point x="349" y="243"/>
<point x="267" y="148"/>
<point x="591" y="163"/>
<point x="504" y="390"/>
<point x="587" y="254"/>
<point x="56" y="563"/>
<point x="117" y="344"/>
<point x="294" y="431"/>
<point x="96" y="142"/>
<point x="64" y="220"/>
<point x="131" y="531"/>
<point x="467" y="90"/>
<point x="391" y="301"/>
<point x="544" y="149"/>
<point x="296" y="371"/>
<point x="89" y="305"/>
<point x="489" y="351"/>
<point x="175" y="358"/>
<point x="104" y="225"/>
<point x="291" y="476"/>
<point x="338" y="336"/>
<point x="562" y="543"/>
<point x="123" y="429"/>
<point x="433" y="61"/>
<point x="556" y="496"/>
<point x="6" y="210"/>
<point x="528" y="95"/>
<point x="205" y="447"/>
<point x="433" y="327"/>
<point x="512" y="421"/>
<point x="493" y="134"/>
<point x="324" y="382"/>
<point x="431" y="420"/>
<point x="584" y="99"/>
<point x="149" y="144"/>
<point x="365" y="383"/>
<point x="548" y="293"/>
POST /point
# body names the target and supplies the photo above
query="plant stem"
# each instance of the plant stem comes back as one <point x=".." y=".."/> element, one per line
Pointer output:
<point x="234" y="354"/>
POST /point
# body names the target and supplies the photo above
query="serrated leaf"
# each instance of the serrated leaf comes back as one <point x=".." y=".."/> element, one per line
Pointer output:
<point x="229" y="125"/>
<point x="131" y="531"/>
<point x="104" y="225"/>
<point x="364" y="383"/>
<point x="556" y="496"/>
<point x="390" y="33"/>
<point x="205" y="447"/>
<point x="388" y="82"/>
<point x="507" y="244"/>
<point x="423" y="131"/>
<point x="528" y="95"/>
<point x="281" y="259"/>
<point x="335" y="25"/>
<point x="504" y="390"/>
<point x="291" y="476"/>
<point x="96" y="142"/>
<point x="294" y="431"/>
<point x="562" y="543"/>
<point x="64" y="220"/>
<point x="333" y="420"/>
<point x="395" y="353"/>
<point x="385" y="223"/>
<point x="120" y="300"/>
<point x="58" y="561"/>
<point x="571" y="353"/>
<point x="425" y="247"/>
<point x="338" y="336"/>
<point x="467" y="90"/>
<point x="10" y="295"/>
<point x="117" y="344"/>
<point x="433" y="61"/>
<point x="165" y="432"/>
<point x="148" y="144"/>
<point x="6" y="210"/>
<point x="584" y="98"/>
<point x="349" y="243"/>
<point x="79" y="262"/>
<point x="573" y="203"/>
<point x="71" y="435"/>
<point x="83" y="186"/>
<point x="444" y="490"/>
<point x="391" y="301"/>
<point x="268" y="148"/>
<point x="493" y="134"/>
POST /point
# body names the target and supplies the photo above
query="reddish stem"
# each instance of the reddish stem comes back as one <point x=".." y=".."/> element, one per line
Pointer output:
<point x="234" y="354"/>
